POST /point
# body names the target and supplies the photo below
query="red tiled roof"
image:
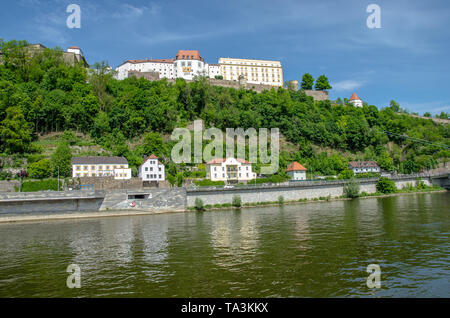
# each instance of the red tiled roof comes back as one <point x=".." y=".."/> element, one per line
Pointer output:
<point x="152" y="157"/>
<point x="295" y="166"/>
<point x="74" y="47"/>
<point x="188" y="55"/>
<point x="355" y="97"/>
<point x="221" y="160"/>
<point x="362" y="164"/>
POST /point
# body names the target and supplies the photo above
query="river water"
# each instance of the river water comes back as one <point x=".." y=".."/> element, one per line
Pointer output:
<point x="305" y="250"/>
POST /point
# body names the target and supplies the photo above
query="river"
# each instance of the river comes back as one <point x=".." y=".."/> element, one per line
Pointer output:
<point x="304" y="250"/>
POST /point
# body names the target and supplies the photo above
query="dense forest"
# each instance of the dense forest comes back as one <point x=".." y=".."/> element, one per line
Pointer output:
<point x="40" y="95"/>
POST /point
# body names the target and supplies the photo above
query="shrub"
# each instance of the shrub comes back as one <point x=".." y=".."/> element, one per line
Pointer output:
<point x="199" y="204"/>
<point x="209" y="183"/>
<point x="42" y="185"/>
<point x="385" y="186"/>
<point x="41" y="169"/>
<point x="281" y="199"/>
<point x="237" y="202"/>
<point x="346" y="174"/>
<point x="351" y="189"/>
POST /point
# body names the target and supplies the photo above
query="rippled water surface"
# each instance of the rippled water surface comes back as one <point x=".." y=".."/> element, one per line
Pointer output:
<point x="306" y="250"/>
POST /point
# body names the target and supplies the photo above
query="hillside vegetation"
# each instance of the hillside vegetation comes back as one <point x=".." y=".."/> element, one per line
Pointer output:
<point x="40" y="95"/>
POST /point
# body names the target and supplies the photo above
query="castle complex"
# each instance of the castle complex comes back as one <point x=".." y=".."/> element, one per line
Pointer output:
<point x="189" y="64"/>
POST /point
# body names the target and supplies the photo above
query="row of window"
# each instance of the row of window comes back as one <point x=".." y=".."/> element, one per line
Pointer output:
<point x="86" y="168"/>
<point x="118" y="175"/>
<point x="231" y="175"/>
<point x="153" y="176"/>
<point x="229" y="168"/>
<point x="151" y="169"/>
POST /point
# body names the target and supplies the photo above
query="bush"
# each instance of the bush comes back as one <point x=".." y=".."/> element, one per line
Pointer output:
<point x="42" y="185"/>
<point x="346" y="174"/>
<point x="69" y="137"/>
<point x="385" y="186"/>
<point x="281" y="199"/>
<point x="41" y="169"/>
<point x="351" y="189"/>
<point x="237" y="202"/>
<point x="199" y="204"/>
<point x="209" y="183"/>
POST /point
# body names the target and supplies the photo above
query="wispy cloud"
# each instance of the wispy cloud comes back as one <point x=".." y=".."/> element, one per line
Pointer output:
<point x="347" y="85"/>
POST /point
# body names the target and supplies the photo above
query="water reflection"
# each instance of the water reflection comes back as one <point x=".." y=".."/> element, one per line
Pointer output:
<point x="306" y="250"/>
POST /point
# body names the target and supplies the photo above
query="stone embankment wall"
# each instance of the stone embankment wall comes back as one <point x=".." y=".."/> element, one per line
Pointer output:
<point x="290" y="191"/>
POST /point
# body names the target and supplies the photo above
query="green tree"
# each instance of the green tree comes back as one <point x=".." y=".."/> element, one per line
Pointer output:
<point x="322" y="83"/>
<point x="41" y="169"/>
<point x="394" y="106"/>
<point x="351" y="189"/>
<point x="153" y="144"/>
<point x="307" y="82"/>
<point x="199" y="204"/>
<point x="62" y="159"/>
<point x="346" y="174"/>
<point x="386" y="186"/>
<point x="15" y="134"/>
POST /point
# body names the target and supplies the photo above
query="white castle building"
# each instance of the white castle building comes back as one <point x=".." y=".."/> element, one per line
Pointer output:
<point x="189" y="64"/>
<point x="356" y="101"/>
<point x="152" y="170"/>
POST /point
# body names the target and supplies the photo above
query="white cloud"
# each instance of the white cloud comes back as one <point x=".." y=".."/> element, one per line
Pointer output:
<point x="347" y="85"/>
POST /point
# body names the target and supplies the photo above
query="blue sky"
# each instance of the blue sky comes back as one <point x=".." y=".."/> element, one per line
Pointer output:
<point x="406" y="60"/>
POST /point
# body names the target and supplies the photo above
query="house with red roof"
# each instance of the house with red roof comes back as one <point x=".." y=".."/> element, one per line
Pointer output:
<point x="230" y="170"/>
<point x="296" y="171"/>
<point x="152" y="170"/>
<point x="356" y="101"/>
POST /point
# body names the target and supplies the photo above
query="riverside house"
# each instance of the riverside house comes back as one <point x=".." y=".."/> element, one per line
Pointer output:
<point x="100" y="167"/>
<point x="296" y="171"/>
<point x="152" y="170"/>
<point x="230" y="170"/>
<point x="363" y="166"/>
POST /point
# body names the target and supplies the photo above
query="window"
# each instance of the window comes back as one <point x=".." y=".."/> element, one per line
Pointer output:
<point x="92" y="167"/>
<point x="146" y="168"/>
<point x="148" y="176"/>
<point x="100" y="167"/>
<point x="78" y="168"/>
<point x="151" y="168"/>
<point x="160" y="176"/>
<point x="107" y="167"/>
<point x="85" y="168"/>
<point x="160" y="169"/>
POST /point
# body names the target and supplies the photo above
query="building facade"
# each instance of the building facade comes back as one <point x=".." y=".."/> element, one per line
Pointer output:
<point x="296" y="171"/>
<point x="230" y="170"/>
<point x="189" y="64"/>
<point x="356" y="101"/>
<point x="152" y="170"/>
<point x="99" y="167"/>
<point x="254" y="71"/>
<point x="363" y="167"/>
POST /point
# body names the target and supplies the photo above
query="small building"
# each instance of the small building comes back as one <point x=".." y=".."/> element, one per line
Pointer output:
<point x="230" y="170"/>
<point x="356" y="101"/>
<point x="152" y="170"/>
<point x="100" y="167"/>
<point x="296" y="171"/>
<point x="363" y="167"/>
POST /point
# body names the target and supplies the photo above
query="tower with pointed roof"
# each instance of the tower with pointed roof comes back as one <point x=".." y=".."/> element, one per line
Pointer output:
<point x="356" y="101"/>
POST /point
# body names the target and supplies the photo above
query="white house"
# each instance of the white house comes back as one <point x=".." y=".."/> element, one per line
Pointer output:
<point x="99" y="167"/>
<point x="152" y="170"/>
<point x="230" y="170"/>
<point x="363" y="166"/>
<point x="356" y="101"/>
<point x="296" y="171"/>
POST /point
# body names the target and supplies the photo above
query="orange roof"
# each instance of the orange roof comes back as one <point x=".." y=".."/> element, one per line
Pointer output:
<point x="152" y="157"/>
<point x="295" y="166"/>
<point x="355" y="97"/>
<point x="74" y="47"/>
<point x="221" y="160"/>
<point x="188" y="55"/>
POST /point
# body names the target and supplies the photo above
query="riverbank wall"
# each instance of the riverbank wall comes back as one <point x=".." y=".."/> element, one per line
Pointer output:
<point x="178" y="199"/>
<point x="290" y="191"/>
